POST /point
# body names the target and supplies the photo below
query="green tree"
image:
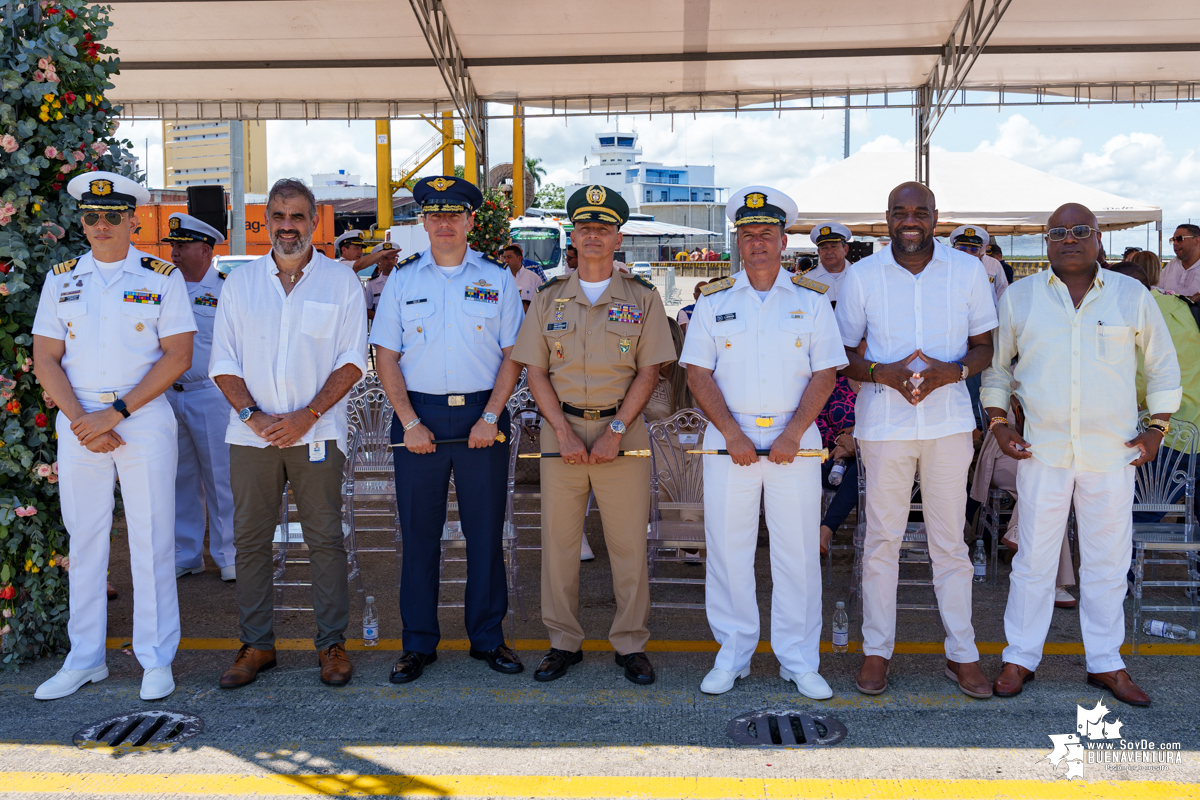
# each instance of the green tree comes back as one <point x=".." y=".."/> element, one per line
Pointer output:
<point x="54" y="124"/>
<point x="535" y="169"/>
<point x="550" y="196"/>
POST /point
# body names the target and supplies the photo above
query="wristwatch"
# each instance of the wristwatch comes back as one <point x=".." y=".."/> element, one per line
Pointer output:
<point x="489" y="418"/>
<point x="119" y="405"/>
<point x="246" y="413"/>
<point x="1162" y="426"/>
<point x="965" y="371"/>
<point x="617" y="427"/>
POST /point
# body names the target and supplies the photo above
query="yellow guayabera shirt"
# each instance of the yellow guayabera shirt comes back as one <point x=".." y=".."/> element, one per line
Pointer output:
<point x="1077" y="368"/>
<point x="1186" y="338"/>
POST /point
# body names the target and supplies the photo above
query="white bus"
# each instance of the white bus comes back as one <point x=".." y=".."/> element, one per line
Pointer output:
<point x="544" y="241"/>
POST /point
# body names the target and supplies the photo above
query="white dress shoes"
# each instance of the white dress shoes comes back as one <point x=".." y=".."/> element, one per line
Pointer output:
<point x="810" y="684"/>
<point x="719" y="681"/>
<point x="69" y="681"/>
<point x="157" y="683"/>
<point x="181" y="571"/>
<point x="229" y="573"/>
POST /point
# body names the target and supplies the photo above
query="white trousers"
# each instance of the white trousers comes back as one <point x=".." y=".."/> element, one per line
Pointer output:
<point x="1104" y="512"/>
<point x="792" y="495"/>
<point x="202" y="481"/>
<point x="890" y="471"/>
<point x="145" y="465"/>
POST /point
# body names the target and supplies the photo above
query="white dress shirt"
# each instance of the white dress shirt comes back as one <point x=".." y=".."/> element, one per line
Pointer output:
<point x="1077" y="369"/>
<point x="527" y="283"/>
<point x="112" y="331"/>
<point x="285" y="346"/>
<point x="763" y="352"/>
<point x="1177" y="280"/>
<point x="449" y="329"/>
<point x="204" y="295"/>
<point x="374" y="288"/>
<point x="831" y="279"/>
<point x="898" y="312"/>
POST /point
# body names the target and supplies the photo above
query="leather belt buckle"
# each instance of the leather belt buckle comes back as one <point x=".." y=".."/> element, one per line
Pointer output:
<point x="591" y="414"/>
<point x="763" y="422"/>
<point x="456" y="400"/>
<point x="108" y="397"/>
<point x="177" y="387"/>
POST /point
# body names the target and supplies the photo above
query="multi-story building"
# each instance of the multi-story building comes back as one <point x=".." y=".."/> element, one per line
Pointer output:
<point x="680" y="195"/>
<point x="196" y="153"/>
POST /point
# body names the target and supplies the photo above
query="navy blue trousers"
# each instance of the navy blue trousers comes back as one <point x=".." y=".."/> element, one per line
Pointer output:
<point x="422" y="485"/>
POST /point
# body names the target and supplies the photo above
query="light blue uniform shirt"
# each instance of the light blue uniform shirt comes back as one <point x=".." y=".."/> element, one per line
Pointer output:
<point x="449" y="331"/>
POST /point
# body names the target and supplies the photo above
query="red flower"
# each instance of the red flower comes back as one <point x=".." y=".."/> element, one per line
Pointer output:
<point x="50" y="12"/>
<point x="69" y="97"/>
<point x="87" y="37"/>
<point x="70" y="14"/>
<point x="13" y="407"/>
<point x="5" y="266"/>
<point x="8" y="592"/>
<point x="40" y="420"/>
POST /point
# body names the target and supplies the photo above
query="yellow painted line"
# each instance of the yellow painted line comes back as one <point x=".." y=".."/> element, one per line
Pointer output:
<point x="550" y="786"/>
<point x="677" y="646"/>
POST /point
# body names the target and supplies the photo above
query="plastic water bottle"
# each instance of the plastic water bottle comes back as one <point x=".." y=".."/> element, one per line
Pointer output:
<point x="980" y="560"/>
<point x="841" y="628"/>
<point x="370" y="624"/>
<point x="1167" y="630"/>
<point x="837" y="471"/>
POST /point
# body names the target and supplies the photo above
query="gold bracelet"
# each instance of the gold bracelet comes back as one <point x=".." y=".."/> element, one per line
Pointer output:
<point x="994" y="420"/>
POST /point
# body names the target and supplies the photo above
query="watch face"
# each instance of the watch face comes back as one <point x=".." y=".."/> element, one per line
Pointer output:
<point x="245" y="414"/>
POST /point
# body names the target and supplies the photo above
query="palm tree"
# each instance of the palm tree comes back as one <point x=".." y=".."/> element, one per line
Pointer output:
<point x="535" y="169"/>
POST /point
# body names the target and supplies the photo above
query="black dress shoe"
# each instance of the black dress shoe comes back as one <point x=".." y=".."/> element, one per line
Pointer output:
<point x="555" y="664"/>
<point x="411" y="665"/>
<point x="637" y="668"/>
<point x="501" y="659"/>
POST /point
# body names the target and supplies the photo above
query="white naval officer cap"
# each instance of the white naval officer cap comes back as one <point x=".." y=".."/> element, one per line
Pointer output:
<point x="107" y="191"/>
<point x="385" y="246"/>
<point x="186" y="228"/>
<point x="349" y="237"/>
<point x="756" y="205"/>
<point x="970" y="234"/>
<point x="830" y="232"/>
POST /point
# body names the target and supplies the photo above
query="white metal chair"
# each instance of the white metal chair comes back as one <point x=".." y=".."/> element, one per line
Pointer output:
<point x="1167" y="485"/>
<point x="525" y="498"/>
<point x="676" y="485"/>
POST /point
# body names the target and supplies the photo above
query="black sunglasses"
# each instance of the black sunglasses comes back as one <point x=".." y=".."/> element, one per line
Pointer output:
<point x="92" y="218"/>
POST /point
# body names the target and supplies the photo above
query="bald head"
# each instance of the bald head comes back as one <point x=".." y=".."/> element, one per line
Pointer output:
<point x="912" y="192"/>
<point x="1077" y="252"/>
<point x="1069" y="215"/>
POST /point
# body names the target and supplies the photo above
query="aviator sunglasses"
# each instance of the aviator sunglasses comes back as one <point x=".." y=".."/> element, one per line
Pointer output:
<point x="92" y="218"/>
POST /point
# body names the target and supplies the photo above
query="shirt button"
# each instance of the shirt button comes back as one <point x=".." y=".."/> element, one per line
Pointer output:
<point x="589" y="355"/>
<point x="1075" y="382"/>
<point x="1075" y="353"/>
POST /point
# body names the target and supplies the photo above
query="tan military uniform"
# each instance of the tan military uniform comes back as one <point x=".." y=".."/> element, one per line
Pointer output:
<point x="593" y="353"/>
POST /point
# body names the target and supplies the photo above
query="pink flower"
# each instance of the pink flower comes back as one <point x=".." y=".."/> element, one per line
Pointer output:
<point x="54" y="467"/>
<point x="38" y="76"/>
<point x="99" y="148"/>
<point x="44" y="63"/>
<point x="52" y="479"/>
<point x="49" y="401"/>
<point x="9" y="143"/>
<point x="25" y="511"/>
<point x="43" y="471"/>
<point x="6" y="613"/>
<point x="78" y="156"/>
<point x="51" y="152"/>
<point x="64" y="169"/>
<point x="4" y="293"/>
<point x="5" y="218"/>
<point x="7" y="629"/>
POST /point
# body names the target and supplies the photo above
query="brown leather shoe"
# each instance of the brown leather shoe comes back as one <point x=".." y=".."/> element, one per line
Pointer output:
<point x="336" y="669"/>
<point x="1121" y="685"/>
<point x="970" y="679"/>
<point x="246" y="666"/>
<point x="1011" y="680"/>
<point x="872" y="677"/>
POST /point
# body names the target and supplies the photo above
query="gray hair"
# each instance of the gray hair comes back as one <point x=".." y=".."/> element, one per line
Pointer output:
<point x="293" y="187"/>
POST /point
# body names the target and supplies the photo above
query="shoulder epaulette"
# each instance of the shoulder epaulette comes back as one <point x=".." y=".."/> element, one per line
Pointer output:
<point x="808" y="283"/>
<point x="65" y="266"/>
<point x="547" y="283"/>
<point x="222" y="275"/>
<point x="494" y="260"/>
<point x="155" y="265"/>
<point x="404" y="262"/>
<point x="644" y="282"/>
<point x="712" y="287"/>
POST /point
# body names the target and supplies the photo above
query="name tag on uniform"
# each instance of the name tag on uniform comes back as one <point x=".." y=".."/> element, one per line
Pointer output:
<point x="206" y="300"/>
<point x="67" y="297"/>
<point x="726" y="317"/>
<point x="414" y="302"/>
<point x="625" y="312"/>
<point x="798" y="314"/>
<point x="316" y="452"/>
<point x="149" y="298"/>
<point x="482" y="295"/>
<point x="556" y="326"/>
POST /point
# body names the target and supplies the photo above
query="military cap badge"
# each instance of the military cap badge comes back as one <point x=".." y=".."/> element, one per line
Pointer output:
<point x="755" y="200"/>
<point x="100" y="187"/>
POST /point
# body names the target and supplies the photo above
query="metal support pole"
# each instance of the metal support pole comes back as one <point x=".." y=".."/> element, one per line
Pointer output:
<point x="735" y="258"/>
<point x="384" y="215"/>
<point x="846" y="144"/>
<point x="518" y="162"/>
<point x="470" y="162"/>
<point x="1158" y="226"/>
<point x="447" y="136"/>
<point x="923" y="134"/>
<point x="237" y="188"/>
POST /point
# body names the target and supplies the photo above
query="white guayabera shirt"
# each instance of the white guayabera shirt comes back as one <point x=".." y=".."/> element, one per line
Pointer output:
<point x="285" y="346"/>
<point x="1077" y="368"/>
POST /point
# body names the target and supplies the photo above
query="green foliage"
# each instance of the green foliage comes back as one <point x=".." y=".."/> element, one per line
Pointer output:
<point x="550" y="196"/>
<point x="490" y="233"/>
<point x="54" y="124"/>
<point x="535" y="169"/>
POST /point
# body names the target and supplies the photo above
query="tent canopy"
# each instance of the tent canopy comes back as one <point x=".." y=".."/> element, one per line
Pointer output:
<point x="971" y="188"/>
<point x="308" y="59"/>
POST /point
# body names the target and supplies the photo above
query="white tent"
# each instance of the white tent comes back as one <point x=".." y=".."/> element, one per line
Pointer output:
<point x="971" y="188"/>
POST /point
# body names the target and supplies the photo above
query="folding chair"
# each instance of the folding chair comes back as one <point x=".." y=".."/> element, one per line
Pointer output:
<point x="676" y="485"/>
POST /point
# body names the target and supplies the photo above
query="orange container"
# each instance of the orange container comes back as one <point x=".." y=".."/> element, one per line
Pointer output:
<point x="155" y="222"/>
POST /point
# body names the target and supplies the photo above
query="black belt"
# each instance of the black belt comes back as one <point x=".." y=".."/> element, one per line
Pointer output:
<point x="589" y="413"/>
<point x="472" y="399"/>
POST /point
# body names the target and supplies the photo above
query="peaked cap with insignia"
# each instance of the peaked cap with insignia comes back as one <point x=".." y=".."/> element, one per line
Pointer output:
<point x="761" y="205"/>
<point x="350" y="237"/>
<point x="186" y="228"/>
<point x="598" y="203"/>
<point x="107" y="191"/>
<point x="970" y="234"/>
<point x="829" y="232"/>
<point x="446" y="194"/>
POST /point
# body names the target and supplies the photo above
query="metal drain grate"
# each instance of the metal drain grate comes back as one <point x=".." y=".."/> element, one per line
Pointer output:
<point x="140" y="730"/>
<point x="786" y="729"/>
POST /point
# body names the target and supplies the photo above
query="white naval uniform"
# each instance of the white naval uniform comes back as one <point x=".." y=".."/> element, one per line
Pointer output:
<point x="831" y="279"/>
<point x="202" y="481"/>
<point x="995" y="273"/>
<point x="763" y="353"/>
<point x="111" y="334"/>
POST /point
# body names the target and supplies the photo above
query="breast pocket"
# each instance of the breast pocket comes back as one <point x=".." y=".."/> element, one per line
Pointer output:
<point x="142" y="317"/>
<point x="731" y="340"/>
<point x="318" y="319"/>
<point x="622" y="341"/>
<point x="1114" y="343"/>
<point x="478" y="315"/>
<point x="74" y="317"/>
<point x="560" y="341"/>
<point x="795" y="339"/>
<point x="415" y="319"/>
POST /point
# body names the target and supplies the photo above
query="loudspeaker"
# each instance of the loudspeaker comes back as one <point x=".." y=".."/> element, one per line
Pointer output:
<point x="859" y="250"/>
<point x="207" y="204"/>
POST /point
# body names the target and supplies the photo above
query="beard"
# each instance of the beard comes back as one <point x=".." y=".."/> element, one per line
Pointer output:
<point x="911" y="247"/>
<point x="286" y="248"/>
